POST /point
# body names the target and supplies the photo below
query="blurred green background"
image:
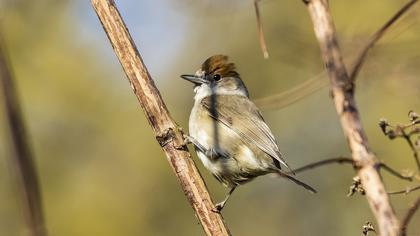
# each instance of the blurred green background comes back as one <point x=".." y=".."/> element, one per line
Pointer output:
<point x="103" y="173"/>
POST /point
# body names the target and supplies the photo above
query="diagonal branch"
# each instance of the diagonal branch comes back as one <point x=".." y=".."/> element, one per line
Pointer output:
<point x="413" y="148"/>
<point x="260" y="30"/>
<point x="295" y="94"/>
<point x="166" y="131"/>
<point x="342" y="89"/>
<point x="407" y="138"/>
<point x="21" y="156"/>
<point x="310" y="86"/>
<point x="409" y="216"/>
<point x="375" y="38"/>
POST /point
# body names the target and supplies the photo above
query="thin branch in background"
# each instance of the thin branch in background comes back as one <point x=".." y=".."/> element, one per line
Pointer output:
<point x="21" y="153"/>
<point x="347" y="160"/>
<point x="375" y="38"/>
<point x="413" y="149"/>
<point x="342" y="88"/>
<point x="338" y="160"/>
<point x="294" y="94"/>
<point x="405" y="191"/>
<point x="405" y="131"/>
<point x="408" y="217"/>
<point x="167" y="133"/>
<point x="260" y="30"/>
<point x="394" y="172"/>
<point x="310" y="86"/>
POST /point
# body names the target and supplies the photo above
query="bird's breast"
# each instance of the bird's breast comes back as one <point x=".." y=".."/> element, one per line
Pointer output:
<point x="201" y="128"/>
<point x="242" y="161"/>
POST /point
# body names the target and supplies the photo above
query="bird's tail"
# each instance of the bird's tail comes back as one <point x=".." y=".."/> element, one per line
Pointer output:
<point x="296" y="181"/>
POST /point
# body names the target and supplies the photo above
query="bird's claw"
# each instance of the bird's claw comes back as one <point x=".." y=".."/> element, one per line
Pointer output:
<point x="214" y="154"/>
<point x="211" y="153"/>
<point x="187" y="139"/>
<point x="218" y="207"/>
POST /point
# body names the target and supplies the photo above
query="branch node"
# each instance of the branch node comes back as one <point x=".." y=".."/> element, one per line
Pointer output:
<point x="165" y="137"/>
<point x="166" y="130"/>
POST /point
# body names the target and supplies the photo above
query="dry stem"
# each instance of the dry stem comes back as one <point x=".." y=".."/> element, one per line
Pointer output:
<point x="408" y="217"/>
<point x="342" y="88"/>
<point x="347" y="160"/>
<point x="316" y="83"/>
<point x="405" y="191"/>
<point x="375" y="38"/>
<point x="260" y="30"/>
<point x="21" y="156"/>
<point x="166" y="131"/>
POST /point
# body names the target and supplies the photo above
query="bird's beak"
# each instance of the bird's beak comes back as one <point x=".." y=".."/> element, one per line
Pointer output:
<point x="197" y="80"/>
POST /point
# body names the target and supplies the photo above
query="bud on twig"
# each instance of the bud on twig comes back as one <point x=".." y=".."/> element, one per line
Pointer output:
<point x="367" y="227"/>
<point x="356" y="186"/>
<point x="383" y="124"/>
<point x="413" y="116"/>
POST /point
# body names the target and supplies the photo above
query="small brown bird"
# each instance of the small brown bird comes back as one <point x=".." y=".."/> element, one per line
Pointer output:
<point x="229" y="134"/>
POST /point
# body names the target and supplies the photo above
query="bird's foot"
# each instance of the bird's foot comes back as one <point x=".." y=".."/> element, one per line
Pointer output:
<point x="187" y="139"/>
<point x="218" y="207"/>
<point x="213" y="154"/>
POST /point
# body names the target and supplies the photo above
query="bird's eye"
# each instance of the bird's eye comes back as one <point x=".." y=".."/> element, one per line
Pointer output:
<point x="217" y="77"/>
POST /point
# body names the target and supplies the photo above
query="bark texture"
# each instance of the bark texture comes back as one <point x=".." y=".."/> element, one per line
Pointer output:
<point x="342" y="88"/>
<point x="166" y="131"/>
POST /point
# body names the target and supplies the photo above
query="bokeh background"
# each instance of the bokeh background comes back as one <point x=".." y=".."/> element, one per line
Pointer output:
<point x="103" y="173"/>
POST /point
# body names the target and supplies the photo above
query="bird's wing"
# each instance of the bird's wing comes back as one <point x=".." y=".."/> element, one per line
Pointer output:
<point x="242" y="116"/>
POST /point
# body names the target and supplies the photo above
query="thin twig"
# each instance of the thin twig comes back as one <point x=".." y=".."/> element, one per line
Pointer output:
<point x="399" y="130"/>
<point x="295" y="94"/>
<point x="166" y="131"/>
<point x="310" y="86"/>
<point x="408" y="217"/>
<point x="394" y="172"/>
<point x="405" y="191"/>
<point x="407" y="138"/>
<point x="375" y="38"/>
<point x="22" y="156"/>
<point x="347" y="160"/>
<point x="338" y="160"/>
<point x="260" y="30"/>
<point x="342" y="89"/>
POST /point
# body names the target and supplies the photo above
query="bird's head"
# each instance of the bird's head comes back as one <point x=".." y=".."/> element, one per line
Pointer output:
<point x="217" y="76"/>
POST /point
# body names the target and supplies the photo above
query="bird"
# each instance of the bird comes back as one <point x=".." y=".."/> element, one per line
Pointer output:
<point x="229" y="134"/>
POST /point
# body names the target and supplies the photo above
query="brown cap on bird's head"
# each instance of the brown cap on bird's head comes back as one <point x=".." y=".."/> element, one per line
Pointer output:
<point x="219" y="74"/>
<point x="219" y="64"/>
